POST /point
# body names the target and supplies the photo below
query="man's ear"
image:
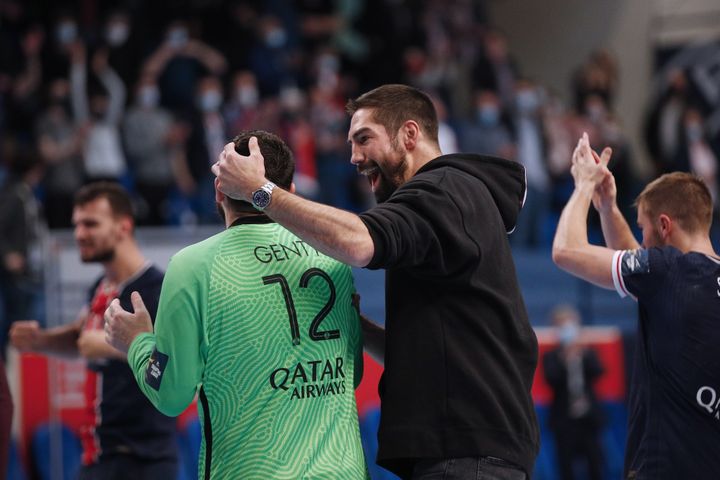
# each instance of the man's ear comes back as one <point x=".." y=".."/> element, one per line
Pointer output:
<point x="127" y="224"/>
<point x="292" y="187"/>
<point x="410" y="132"/>
<point x="219" y="196"/>
<point x="666" y="226"/>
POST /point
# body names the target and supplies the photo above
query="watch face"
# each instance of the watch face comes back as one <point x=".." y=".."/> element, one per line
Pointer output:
<point x="260" y="198"/>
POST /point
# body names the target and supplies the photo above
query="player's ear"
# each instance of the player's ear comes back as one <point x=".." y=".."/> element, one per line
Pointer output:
<point x="219" y="196"/>
<point x="127" y="224"/>
<point x="292" y="187"/>
<point x="666" y="226"/>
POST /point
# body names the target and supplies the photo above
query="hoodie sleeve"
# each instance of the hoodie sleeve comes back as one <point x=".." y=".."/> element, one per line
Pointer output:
<point x="421" y="227"/>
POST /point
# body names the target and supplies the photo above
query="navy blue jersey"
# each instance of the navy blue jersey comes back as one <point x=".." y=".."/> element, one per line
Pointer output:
<point x="674" y="426"/>
<point x="123" y="420"/>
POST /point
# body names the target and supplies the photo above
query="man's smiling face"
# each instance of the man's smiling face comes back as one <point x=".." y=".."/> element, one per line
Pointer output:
<point x="376" y="155"/>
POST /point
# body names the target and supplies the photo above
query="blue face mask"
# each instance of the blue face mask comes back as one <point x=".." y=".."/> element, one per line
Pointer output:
<point x="694" y="132"/>
<point x="527" y="101"/>
<point x="488" y="116"/>
<point x="149" y="96"/>
<point x="66" y="32"/>
<point x="210" y="101"/>
<point x="568" y="333"/>
<point x="177" y="37"/>
<point x="275" y="38"/>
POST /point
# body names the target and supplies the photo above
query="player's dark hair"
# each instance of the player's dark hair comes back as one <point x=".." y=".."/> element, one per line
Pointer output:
<point x="279" y="161"/>
<point x="394" y="104"/>
<point x="683" y="197"/>
<point x="114" y="193"/>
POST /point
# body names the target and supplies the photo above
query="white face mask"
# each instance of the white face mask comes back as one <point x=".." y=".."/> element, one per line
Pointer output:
<point x="149" y="97"/>
<point x="210" y="101"/>
<point x="247" y="96"/>
<point x="117" y="33"/>
<point x="275" y="38"/>
<point x="177" y="37"/>
<point x="568" y="333"/>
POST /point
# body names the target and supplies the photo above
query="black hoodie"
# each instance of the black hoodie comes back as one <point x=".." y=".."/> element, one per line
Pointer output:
<point x="460" y="354"/>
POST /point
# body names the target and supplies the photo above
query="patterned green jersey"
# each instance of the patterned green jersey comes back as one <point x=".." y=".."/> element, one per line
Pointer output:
<point x="262" y="326"/>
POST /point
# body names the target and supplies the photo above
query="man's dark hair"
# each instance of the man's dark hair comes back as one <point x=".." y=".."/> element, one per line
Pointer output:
<point x="392" y="105"/>
<point x="279" y="162"/>
<point x="116" y="195"/>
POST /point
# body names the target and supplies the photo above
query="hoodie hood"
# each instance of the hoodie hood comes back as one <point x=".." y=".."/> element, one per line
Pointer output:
<point x="505" y="180"/>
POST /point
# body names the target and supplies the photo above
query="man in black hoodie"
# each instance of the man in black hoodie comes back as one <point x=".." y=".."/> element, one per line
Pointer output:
<point x="458" y="349"/>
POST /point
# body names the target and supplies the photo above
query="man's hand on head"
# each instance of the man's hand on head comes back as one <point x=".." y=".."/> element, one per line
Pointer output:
<point x="121" y="326"/>
<point x="239" y="175"/>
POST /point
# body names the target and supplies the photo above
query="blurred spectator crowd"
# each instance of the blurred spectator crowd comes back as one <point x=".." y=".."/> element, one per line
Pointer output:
<point x="147" y="93"/>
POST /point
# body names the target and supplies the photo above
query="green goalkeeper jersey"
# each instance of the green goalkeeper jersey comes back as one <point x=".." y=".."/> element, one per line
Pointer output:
<point x="263" y="328"/>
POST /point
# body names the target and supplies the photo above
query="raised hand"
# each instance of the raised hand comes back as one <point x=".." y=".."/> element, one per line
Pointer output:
<point x="587" y="167"/>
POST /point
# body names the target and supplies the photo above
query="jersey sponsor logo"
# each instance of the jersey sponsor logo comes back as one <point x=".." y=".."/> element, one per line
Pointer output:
<point x="312" y="379"/>
<point x="708" y="399"/>
<point x="635" y="261"/>
<point x="280" y="252"/>
<point x="155" y="369"/>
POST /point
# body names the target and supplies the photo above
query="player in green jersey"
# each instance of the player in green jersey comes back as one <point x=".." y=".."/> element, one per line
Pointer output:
<point x="262" y="326"/>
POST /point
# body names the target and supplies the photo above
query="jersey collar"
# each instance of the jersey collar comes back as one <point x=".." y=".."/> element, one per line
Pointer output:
<point x="252" y="220"/>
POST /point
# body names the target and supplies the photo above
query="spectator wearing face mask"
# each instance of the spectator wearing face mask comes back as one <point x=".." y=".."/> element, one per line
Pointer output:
<point x="274" y="57"/>
<point x="605" y="130"/>
<point x="63" y="34"/>
<point x="179" y="63"/>
<point x="486" y="133"/>
<point x="531" y="152"/>
<point x="153" y="142"/>
<point x="575" y="416"/>
<point x="125" y="44"/>
<point x="206" y="140"/>
<point x="243" y="106"/>
<point x="99" y="115"/>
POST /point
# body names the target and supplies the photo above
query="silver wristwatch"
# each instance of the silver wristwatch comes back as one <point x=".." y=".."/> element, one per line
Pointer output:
<point x="262" y="196"/>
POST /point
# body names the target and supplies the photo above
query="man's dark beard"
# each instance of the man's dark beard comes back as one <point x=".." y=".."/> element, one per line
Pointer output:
<point x="385" y="190"/>
<point x="101" y="257"/>
<point x="387" y="186"/>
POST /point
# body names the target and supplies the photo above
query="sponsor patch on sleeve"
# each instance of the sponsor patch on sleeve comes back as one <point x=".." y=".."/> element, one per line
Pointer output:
<point x="626" y="263"/>
<point x="634" y="262"/>
<point x="156" y="368"/>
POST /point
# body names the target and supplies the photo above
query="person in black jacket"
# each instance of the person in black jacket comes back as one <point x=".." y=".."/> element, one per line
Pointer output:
<point x="571" y="370"/>
<point x="459" y="351"/>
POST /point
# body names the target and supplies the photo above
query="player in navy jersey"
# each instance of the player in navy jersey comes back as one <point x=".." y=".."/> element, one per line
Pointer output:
<point x="674" y="424"/>
<point x="122" y="435"/>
